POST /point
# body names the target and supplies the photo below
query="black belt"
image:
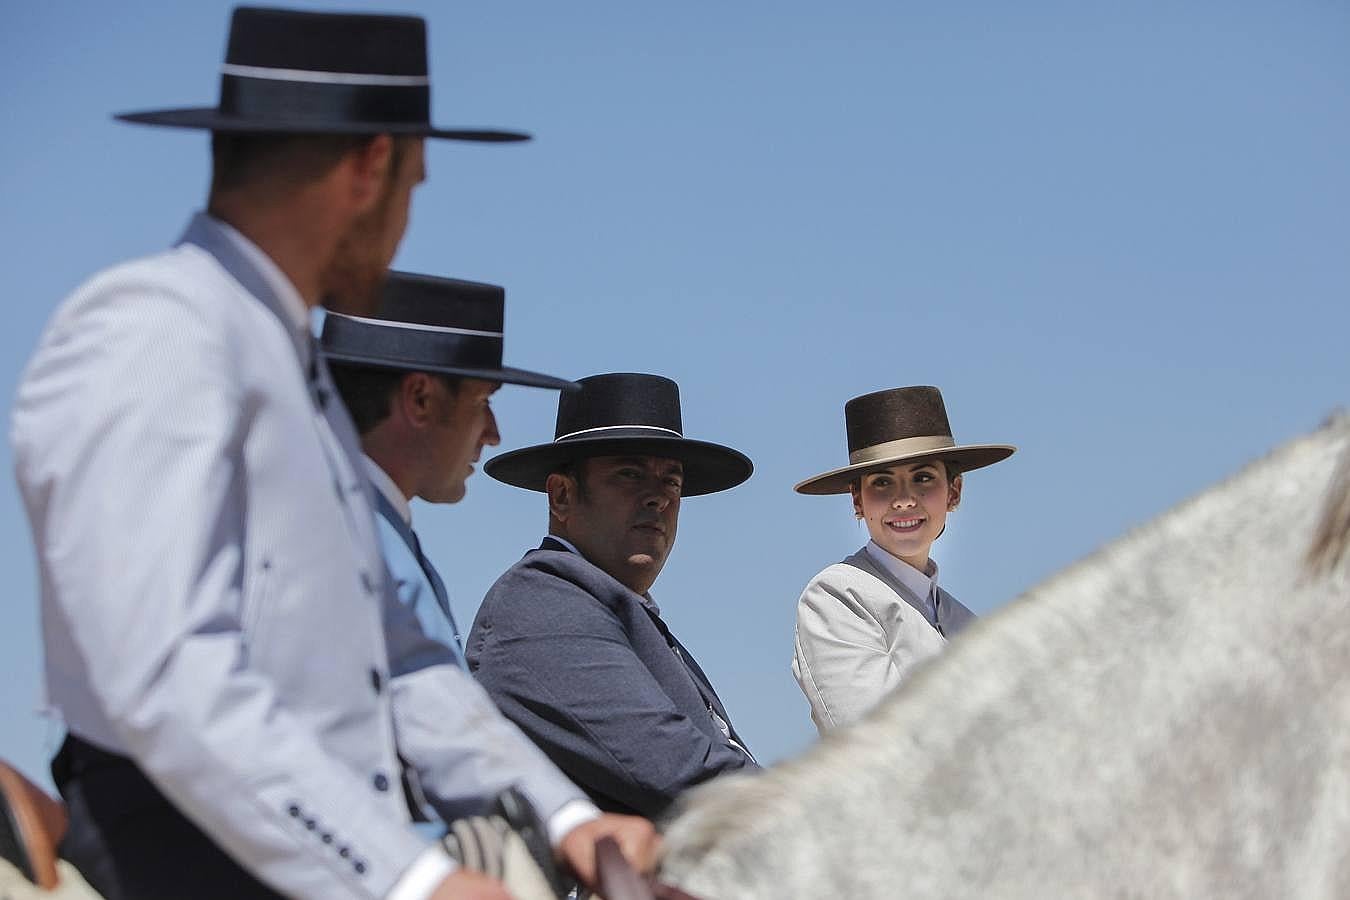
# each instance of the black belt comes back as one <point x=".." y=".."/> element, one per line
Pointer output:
<point x="77" y="758"/>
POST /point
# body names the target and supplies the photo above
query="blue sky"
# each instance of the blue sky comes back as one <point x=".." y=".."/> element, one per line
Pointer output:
<point x="1113" y="234"/>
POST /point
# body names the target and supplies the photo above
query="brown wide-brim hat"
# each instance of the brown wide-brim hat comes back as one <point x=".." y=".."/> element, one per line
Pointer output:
<point x="294" y="72"/>
<point x="623" y="414"/>
<point x="900" y="425"/>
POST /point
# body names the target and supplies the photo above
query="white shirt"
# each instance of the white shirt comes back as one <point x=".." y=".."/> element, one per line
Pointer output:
<point x="388" y="489"/>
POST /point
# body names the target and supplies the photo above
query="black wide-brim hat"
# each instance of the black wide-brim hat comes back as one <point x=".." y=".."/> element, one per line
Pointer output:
<point x="292" y="72"/>
<point x="623" y="414"/>
<point x="429" y="324"/>
<point x="901" y="425"/>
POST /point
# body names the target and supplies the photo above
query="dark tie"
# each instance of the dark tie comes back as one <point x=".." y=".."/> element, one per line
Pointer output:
<point x="442" y="598"/>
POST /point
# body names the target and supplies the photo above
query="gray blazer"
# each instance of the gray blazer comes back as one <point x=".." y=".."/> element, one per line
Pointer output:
<point x="860" y="632"/>
<point x="593" y="675"/>
<point x="214" y="602"/>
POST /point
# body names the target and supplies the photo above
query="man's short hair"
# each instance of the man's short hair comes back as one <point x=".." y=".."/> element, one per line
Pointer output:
<point x="368" y="392"/>
<point x="283" y="160"/>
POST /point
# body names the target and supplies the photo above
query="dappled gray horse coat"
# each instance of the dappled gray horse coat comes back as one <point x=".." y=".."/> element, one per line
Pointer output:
<point x="1169" y="718"/>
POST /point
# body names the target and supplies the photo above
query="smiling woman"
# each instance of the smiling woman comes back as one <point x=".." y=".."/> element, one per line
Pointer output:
<point x="864" y="623"/>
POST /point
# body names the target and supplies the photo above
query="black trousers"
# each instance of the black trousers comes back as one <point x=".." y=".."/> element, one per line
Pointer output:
<point x="130" y="843"/>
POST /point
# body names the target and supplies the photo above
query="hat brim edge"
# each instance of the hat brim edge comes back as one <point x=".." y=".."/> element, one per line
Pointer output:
<point x="709" y="467"/>
<point x="969" y="457"/>
<point x="505" y="374"/>
<point x="211" y="119"/>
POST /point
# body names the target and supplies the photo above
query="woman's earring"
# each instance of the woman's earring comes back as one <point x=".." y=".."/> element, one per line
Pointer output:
<point x="857" y="515"/>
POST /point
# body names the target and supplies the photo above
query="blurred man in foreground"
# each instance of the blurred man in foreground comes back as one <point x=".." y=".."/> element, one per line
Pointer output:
<point x="220" y="634"/>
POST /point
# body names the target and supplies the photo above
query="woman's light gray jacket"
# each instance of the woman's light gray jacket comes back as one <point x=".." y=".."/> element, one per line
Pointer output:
<point x="860" y="632"/>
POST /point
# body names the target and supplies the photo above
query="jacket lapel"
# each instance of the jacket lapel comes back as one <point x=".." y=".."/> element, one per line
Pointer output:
<point x="953" y="616"/>
<point x="861" y="560"/>
<point x="203" y="233"/>
<point x="691" y="666"/>
<point x="342" y="448"/>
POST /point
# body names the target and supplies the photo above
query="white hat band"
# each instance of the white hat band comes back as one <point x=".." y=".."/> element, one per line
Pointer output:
<point x="903" y="447"/>
<point x="573" y="434"/>
<point x="417" y="326"/>
<point x="316" y="77"/>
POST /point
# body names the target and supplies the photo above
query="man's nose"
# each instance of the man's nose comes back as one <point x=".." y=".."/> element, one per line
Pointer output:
<point x="657" y="500"/>
<point x="491" y="436"/>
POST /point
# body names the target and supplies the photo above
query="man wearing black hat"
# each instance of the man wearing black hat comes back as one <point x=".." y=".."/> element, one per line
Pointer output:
<point x="417" y="378"/>
<point x="220" y="633"/>
<point x="569" y="641"/>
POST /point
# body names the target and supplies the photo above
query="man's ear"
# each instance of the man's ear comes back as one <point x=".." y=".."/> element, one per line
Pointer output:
<point x="562" y="495"/>
<point x="414" y="399"/>
<point x="366" y="168"/>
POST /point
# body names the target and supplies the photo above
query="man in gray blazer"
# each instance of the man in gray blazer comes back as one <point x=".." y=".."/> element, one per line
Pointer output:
<point x="569" y="641"/>
<point x="245" y="697"/>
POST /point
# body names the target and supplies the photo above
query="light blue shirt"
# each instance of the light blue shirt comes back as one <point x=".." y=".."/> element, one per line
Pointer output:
<point x="416" y="580"/>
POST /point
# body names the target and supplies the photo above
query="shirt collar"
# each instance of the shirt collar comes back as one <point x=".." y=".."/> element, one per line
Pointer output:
<point x="297" y="311"/>
<point x="391" y="492"/>
<point x="565" y="542"/>
<point x="920" y="583"/>
<point x="647" y="600"/>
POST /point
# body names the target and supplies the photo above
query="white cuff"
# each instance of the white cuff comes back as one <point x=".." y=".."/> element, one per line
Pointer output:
<point x="426" y="873"/>
<point x="572" y="814"/>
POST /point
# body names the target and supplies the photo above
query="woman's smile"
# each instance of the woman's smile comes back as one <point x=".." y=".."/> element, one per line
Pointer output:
<point x="906" y="507"/>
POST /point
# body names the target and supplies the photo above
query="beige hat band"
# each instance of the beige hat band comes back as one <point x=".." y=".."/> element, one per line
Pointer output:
<point x="904" y="447"/>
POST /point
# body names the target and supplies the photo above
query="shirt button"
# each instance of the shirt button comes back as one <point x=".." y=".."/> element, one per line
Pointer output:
<point x="294" y="811"/>
<point x="344" y="852"/>
<point x="381" y="781"/>
<point x="360" y="867"/>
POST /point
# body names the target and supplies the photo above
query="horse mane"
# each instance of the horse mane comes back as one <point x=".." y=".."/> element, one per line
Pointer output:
<point x="1331" y="541"/>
